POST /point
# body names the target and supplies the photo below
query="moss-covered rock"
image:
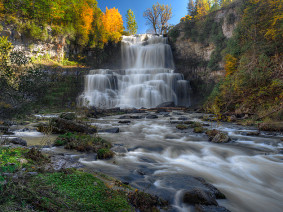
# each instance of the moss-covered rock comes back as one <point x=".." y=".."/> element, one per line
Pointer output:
<point x="199" y="129"/>
<point x="181" y="127"/>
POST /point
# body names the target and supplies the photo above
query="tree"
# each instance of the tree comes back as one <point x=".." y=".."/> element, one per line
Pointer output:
<point x="113" y="24"/>
<point x="131" y="22"/>
<point x="165" y="16"/>
<point x="191" y="7"/>
<point x="158" y="16"/>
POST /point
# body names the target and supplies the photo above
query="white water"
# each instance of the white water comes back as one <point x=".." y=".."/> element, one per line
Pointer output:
<point x="147" y="78"/>
<point x="248" y="170"/>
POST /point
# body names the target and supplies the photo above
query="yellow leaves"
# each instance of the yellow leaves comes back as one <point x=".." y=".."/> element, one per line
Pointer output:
<point x="202" y="8"/>
<point x="231" y="64"/>
<point x="186" y="18"/>
<point x="113" y="23"/>
<point x="86" y="17"/>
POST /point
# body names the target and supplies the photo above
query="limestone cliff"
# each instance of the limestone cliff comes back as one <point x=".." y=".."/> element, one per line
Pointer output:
<point x="198" y="48"/>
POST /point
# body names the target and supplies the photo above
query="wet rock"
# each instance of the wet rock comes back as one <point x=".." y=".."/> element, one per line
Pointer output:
<point x="124" y="122"/>
<point x="4" y="129"/>
<point x="183" y="118"/>
<point x="18" y="141"/>
<point x="151" y="116"/>
<point x="68" y="116"/>
<point x="198" y="196"/>
<point x="119" y="149"/>
<point x="232" y="118"/>
<point x="221" y="138"/>
<point x="253" y="133"/>
<point x="176" y="122"/>
<point x="110" y="130"/>
<point x="211" y="134"/>
<point x="166" y="104"/>
<point x="137" y="117"/>
<point x="189" y="122"/>
<point x="125" y="117"/>
<point x="211" y="188"/>
<point x="210" y="208"/>
<point x="161" y="110"/>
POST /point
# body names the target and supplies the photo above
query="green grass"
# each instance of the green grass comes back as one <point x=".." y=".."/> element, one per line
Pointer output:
<point x="86" y="191"/>
<point x="62" y="191"/>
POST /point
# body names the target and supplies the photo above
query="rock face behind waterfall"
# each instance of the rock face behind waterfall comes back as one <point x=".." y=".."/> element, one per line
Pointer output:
<point x="146" y="80"/>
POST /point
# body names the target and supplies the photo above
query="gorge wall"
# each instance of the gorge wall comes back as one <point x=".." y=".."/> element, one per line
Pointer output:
<point x="198" y="48"/>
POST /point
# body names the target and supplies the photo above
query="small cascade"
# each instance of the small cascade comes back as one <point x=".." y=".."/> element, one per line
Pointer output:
<point x="146" y="80"/>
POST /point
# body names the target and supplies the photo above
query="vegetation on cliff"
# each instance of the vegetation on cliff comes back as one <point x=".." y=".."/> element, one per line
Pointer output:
<point x="79" y="22"/>
<point x="251" y="57"/>
<point x="253" y="62"/>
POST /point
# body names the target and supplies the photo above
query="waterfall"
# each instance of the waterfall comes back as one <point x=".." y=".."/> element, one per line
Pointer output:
<point x="147" y="78"/>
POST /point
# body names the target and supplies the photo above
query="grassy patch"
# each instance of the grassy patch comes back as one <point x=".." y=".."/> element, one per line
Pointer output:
<point x="63" y="191"/>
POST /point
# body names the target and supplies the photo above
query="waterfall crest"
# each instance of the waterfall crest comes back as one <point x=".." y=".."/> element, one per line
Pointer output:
<point x="146" y="80"/>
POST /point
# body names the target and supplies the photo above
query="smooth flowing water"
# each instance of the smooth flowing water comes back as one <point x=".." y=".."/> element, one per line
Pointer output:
<point x="160" y="159"/>
<point x="147" y="78"/>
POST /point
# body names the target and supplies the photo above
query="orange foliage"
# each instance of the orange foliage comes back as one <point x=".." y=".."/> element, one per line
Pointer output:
<point x="1" y="8"/>
<point x="113" y="23"/>
<point x="87" y="17"/>
<point x="231" y="64"/>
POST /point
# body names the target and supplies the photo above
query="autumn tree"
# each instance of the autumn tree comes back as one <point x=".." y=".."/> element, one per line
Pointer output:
<point x="131" y="22"/>
<point x="158" y="16"/>
<point x="113" y="24"/>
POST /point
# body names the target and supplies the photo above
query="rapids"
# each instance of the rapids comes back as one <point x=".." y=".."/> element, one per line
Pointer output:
<point x="248" y="170"/>
<point x="146" y="79"/>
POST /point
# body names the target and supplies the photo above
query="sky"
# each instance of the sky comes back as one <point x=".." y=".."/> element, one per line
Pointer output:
<point x="179" y="9"/>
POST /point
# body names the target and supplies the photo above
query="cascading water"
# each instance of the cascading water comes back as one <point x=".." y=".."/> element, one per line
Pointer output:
<point x="147" y="78"/>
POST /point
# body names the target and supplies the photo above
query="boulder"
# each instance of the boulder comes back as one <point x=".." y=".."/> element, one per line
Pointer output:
<point x="198" y="196"/>
<point x="4" y="129"/>
<point x="124" y="122"/>
<point x="68" y="116"/>
<point x="166" y="104"/>
<point x="221" y="138"/>
<point x="125" y="117"/>
<point x="18" y="141"/>
<point x="61" y="126"/>
<point x="151" y="116"/>
<point x="210" y="208"/>
<point x="211" y="134"/>
<point x="183" y="118"/>
<point x="110" y="130"/>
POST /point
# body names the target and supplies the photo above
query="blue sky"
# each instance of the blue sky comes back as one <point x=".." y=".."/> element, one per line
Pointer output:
<point x="179" y="9"/>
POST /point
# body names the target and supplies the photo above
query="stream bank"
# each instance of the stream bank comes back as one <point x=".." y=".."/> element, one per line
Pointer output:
<point x="168" y="162"/>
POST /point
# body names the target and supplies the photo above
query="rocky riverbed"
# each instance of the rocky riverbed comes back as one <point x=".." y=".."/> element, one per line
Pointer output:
<point x="192" y="163"/>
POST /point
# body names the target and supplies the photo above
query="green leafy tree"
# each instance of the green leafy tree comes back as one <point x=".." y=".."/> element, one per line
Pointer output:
<point x="131" y="22"/>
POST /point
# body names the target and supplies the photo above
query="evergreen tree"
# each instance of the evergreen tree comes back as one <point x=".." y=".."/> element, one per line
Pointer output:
<point x="131" y="22"/>
<point x="191" y="7"/>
